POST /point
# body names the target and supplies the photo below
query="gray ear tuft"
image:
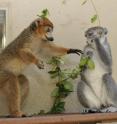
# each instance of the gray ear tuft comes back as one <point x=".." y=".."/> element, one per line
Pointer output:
<point x="105" y="30"/>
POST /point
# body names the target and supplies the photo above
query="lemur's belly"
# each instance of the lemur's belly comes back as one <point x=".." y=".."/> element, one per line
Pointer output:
<point x="95" y="78"/>
<point x="16" y="66"/>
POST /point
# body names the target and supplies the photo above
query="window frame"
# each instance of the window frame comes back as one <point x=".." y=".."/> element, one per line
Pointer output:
<point x="6" y="25"/>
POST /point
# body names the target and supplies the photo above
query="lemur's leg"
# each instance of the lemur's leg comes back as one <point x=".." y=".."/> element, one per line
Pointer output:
<point x="13" y="96"/>
<point x="27" y="56"/>
<point x="81" y="94"/>
<point x="24" y="84"/>
<point x="11" y="89"/>
<point x="111" y="88"/>
<point x="87" y="98"/>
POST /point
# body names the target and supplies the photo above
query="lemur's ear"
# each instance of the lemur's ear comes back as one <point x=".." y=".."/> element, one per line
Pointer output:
<point x="34" y="25"/>
<point x="106" y="31"/>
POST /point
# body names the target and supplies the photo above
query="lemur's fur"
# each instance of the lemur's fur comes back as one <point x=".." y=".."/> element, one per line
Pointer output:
<point x="22" y="52"/>
<point x="97" y="89"/>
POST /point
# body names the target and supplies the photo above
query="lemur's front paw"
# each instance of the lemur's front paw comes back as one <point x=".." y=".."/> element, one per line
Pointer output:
<point x="40" y="65"/>
<point x="77" y="51"/>
<point x="17" y="114"/>
<point x="89" y="53"/>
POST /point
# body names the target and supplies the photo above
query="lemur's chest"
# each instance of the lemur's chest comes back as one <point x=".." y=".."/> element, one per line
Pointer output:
<point x="34" y="45"/>
<point x="94" y="77"/>
<point x="99" y="70"/>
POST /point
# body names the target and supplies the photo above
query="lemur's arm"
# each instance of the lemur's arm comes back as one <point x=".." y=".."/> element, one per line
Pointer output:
<point x="88" y="52"/>
<point x="104" y="51"/>
<point x="28" y="57"/>
<point x="54" y="50"/>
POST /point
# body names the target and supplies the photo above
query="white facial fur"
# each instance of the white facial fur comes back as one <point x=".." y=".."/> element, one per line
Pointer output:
<point x="49" y="34"/>
<point x="95" y="33"/>
<point x="49" y="31"/>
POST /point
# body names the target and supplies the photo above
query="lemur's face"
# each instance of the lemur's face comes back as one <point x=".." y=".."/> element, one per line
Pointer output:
<point x="43" y="28"/>
<point x="45" y="33"/>
<point x="95" y="33"/>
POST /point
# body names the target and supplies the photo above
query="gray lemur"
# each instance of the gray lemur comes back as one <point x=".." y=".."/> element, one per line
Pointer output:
<point x="97" y="90"/>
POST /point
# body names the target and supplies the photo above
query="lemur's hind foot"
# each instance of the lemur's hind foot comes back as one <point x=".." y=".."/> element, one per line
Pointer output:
<point x="90" y="110"/>
<point x="109" y="109"/>
<point x="103" y="110"/>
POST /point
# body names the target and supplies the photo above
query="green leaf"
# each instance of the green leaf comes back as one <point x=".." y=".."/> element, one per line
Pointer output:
<point x="94" y="18"/>
<point x="68" y="86"/>
<point x="83" y="61"/>
<point x="59" y="107"/>
<point x="85" y="1"/>
<point x="44" y="13"/>
<point x="56" y="61"/>
<point x="55" y="92"/>
<point x="75" y="75"/>
<point x="64" y="2"/>
<point x="90" y="64"/>
<point x="61" y="61"/>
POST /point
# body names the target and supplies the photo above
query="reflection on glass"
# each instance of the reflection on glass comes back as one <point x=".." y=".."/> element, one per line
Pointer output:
<point x="2" y="28"/>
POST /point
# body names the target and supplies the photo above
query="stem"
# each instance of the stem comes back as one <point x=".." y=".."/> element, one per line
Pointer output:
<point x="58" y="98"/>
<point x="96" y="11"/>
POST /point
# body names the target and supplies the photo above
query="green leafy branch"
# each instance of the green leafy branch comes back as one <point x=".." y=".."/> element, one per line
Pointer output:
<point x="95" y="17"/>
<point x="65" y="78"/>
<point x="44" y="14"/>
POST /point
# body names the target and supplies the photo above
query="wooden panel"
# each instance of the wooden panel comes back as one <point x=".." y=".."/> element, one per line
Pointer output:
<point x="62" y="119"/>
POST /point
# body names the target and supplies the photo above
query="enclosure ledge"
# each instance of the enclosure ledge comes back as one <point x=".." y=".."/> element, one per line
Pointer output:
<point x="62" y="119"/>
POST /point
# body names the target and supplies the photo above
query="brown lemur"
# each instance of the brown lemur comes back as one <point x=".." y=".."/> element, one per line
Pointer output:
<point x="22" y="52"/>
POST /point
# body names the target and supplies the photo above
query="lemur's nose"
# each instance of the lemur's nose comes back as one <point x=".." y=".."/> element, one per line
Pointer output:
<point x="51" y="39"/>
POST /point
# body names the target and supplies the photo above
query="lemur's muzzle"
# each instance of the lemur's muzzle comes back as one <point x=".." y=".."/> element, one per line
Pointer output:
<point x="50" y="38"/>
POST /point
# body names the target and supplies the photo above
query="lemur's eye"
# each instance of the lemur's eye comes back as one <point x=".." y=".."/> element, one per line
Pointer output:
<point x="48" y="30"/>
<point x="90" y="33"/>
<point x="100" y="33"/>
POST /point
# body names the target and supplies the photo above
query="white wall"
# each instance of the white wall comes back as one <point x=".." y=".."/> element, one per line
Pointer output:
<point x="70" y="20"/>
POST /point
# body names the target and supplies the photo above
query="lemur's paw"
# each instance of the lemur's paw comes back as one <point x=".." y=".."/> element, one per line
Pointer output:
<point x="17" y="115"/>
<point x="40" y="65"/>
<point x="86" y="111"/>
<point x="76" y="51"/>
<point x="89" y="53"/>
<point x="109" y="109"/>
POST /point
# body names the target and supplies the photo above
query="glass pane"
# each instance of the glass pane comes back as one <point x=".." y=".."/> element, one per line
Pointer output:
<point x="2" y="28"/>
